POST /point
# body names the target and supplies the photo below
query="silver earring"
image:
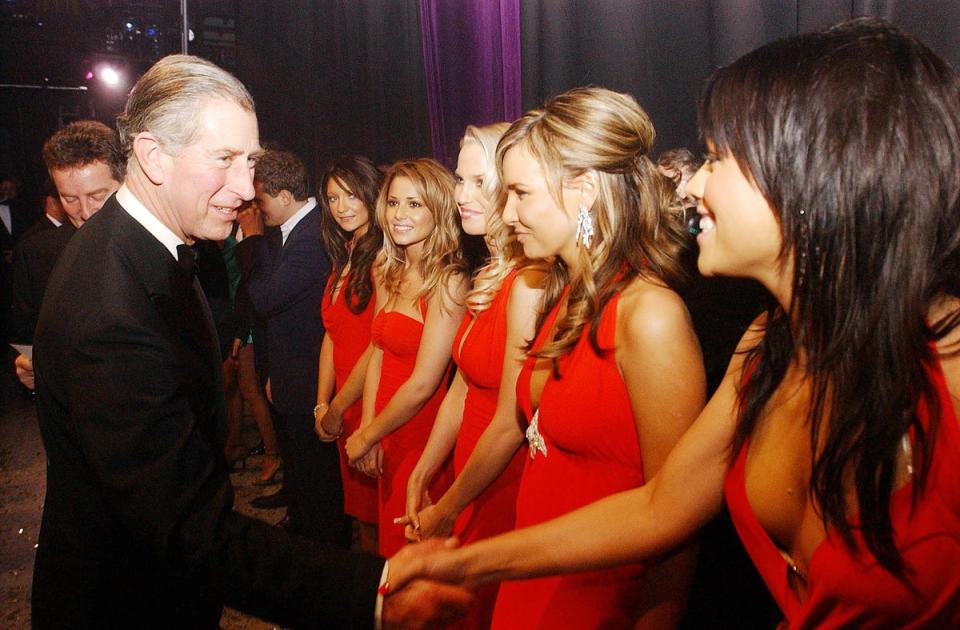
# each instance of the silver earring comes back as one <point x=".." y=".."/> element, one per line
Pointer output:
<point x="584" y="226"/>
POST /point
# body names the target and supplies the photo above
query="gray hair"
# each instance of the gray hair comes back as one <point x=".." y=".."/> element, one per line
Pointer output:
<point x="165" y="100"/>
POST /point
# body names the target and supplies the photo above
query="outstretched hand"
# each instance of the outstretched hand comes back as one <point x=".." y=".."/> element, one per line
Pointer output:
<point x="415" y="602"/>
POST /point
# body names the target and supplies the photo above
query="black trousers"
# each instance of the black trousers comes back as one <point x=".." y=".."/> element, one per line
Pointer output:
<point x="311" y="480"/>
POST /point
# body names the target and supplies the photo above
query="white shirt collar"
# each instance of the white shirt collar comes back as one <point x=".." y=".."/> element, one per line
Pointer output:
<point x="6" y="217"/>
<point x="151" y="223"/>
<point x="287" y="226"/>
<point x="54" y="221"/>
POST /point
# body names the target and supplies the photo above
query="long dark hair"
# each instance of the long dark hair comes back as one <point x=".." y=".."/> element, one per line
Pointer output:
<point x="853" y="137"/>
<point x="361" y="177"/>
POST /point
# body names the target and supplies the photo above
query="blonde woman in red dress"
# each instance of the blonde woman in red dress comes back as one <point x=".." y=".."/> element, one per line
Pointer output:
<point x="421" y="280"/>
<point x="489" y="350"/>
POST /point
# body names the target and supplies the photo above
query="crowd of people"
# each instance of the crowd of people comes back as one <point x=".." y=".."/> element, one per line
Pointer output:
<point x="531" y="440"/>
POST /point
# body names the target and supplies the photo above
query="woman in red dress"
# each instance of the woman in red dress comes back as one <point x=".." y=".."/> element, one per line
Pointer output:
<point x="489" y="350"/>
<point x="834" y="436"/>
<point x="421" y="280"/>
<point x="352" y="240"/>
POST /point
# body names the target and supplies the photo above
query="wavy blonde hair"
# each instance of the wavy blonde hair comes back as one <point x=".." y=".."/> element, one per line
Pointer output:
<point x="505" y="252"/>
<point x="637" y="219"/>
<point x="442" y="255"/>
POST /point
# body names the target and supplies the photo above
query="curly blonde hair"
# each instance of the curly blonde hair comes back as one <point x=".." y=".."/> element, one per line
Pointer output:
<point x="637" y="219"/>
<point x="442" y="255"/>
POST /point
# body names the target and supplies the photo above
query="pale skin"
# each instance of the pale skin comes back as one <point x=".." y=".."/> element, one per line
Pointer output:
<point x="410" y="223"/>
<point x="654" y="343"/>
<point x="687" y="491"/>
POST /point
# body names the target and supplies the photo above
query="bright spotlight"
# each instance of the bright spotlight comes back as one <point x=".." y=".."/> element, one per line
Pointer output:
<point x="109" y="76"/>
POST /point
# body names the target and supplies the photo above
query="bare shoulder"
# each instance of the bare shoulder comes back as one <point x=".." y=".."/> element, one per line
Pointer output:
<point x="528" y="285"/>
<point x="651" y="314"/>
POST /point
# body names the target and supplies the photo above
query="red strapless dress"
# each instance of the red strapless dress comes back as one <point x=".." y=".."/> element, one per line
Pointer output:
<point x="351" y="336"/>
<point x="846" y="591"/>
<point x="593" y="451"/>
<point x="399" y="337"/>
<point x="479" y="350"/>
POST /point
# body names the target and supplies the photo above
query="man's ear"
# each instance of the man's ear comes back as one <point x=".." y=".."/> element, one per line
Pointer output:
<point x="285" y="197"/>
<point x="150" y="156"/>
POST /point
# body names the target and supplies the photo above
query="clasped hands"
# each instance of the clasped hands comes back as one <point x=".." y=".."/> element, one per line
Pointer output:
<point x="364" y="454"/>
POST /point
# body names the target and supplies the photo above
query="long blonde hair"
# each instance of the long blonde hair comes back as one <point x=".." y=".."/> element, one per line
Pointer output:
<point x="505" y="252"/>
<point x="637" y="220"/>
<point x="442" y="255"/>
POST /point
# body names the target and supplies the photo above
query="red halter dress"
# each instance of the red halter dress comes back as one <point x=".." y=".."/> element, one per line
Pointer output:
<point x="351" y="335"/>
<point x="478" y="350"/>
<point x="592" y="451"/>
<point x="849" y="591"/>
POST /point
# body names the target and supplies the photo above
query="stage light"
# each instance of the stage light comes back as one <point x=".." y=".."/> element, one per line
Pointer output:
<point x="152" y="31"/>
<point x="88" y="75"/>
<point x="109" y="76"/>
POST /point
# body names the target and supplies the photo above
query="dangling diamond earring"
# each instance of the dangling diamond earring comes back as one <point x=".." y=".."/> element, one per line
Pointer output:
<point x="584" y="226"/>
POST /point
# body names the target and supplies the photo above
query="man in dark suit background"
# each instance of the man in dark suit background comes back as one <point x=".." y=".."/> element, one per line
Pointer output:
<point x="84" y="160"/>
<point x="138" y="528"/>
<point x="286" y="288"/>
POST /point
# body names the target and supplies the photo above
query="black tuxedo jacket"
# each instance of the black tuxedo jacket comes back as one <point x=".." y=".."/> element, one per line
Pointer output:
<point x="33" y="260"/>
<point x="138" y="528"/>
<point x="286" y="289"/>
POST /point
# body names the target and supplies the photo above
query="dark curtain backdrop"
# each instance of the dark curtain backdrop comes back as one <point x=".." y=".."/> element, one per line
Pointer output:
<point x="336" y="76"/>
<point x="661" y="52"/>
<point x="471" y="51"/>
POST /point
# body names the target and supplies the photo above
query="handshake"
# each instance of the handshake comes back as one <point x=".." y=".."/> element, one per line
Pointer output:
<point x="425" y="587"/>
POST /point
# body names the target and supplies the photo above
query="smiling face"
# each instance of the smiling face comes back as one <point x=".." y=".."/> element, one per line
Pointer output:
<point x="740" y="235"/>
<point x="543" y="227"/>
<point x="472" y="203"/>
<point x="409" y="221"/>
<point x="346" y="208"/>
<point x="213" y="175"/>
<point x="83" y="190"/>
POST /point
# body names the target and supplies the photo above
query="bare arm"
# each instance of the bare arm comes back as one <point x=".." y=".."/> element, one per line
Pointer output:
<point x="442" y="438"/>
<point x="331" y="422"/>
<point x="503" y="436"/>
<point x="659" y="357"/>
<point x="326" y="381"/>
<point x="433" y="357"/>
<point x="630" y="526"/>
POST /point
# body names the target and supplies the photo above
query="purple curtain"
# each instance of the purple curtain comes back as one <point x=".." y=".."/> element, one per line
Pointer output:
<point x="471" y="59"/>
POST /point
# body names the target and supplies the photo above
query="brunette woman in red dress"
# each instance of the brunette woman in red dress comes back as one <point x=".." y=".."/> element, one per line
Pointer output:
<point x="834" y="436"/>
<point x="421" y="280"/>
<point x="352" y="238"/>
<point x="489" y="350"/>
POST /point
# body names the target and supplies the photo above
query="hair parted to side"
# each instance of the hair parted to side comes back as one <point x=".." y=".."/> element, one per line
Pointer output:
<point x="636" y="217"/>
<point x="442" y="255"/>
<point x="859" y="162"/>
<point x="505" y="253"/>
<point x="363" y="179"/>
<point x="281" y="170"/>
<point x="166" y="99"/>
<point x="81" y="143"/>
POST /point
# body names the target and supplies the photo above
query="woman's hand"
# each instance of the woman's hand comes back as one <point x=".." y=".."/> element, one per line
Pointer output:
<point x="357" y="446"/>
<point x="327" y="422"/>
<point x="371" y="464"/>
<point x="435" y="522"/>
<point x="417" y="499"/>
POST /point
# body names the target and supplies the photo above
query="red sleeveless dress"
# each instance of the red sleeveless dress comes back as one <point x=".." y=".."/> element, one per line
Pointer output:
<point x="846" y="591"/>
<point x="399" y="337"/>
<point x="351" y="336"/>
<point x="478" y="351"/>
<point x="593" y="451"/>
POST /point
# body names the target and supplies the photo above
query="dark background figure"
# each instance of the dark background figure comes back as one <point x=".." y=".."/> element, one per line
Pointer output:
<point x="286" y="288"/>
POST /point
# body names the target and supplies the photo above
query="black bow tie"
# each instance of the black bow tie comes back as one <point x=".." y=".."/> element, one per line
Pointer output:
<point x="187" y="261"/>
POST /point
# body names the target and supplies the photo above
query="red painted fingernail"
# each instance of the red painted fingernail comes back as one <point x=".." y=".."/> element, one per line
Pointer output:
<point x="384" y="589"/>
